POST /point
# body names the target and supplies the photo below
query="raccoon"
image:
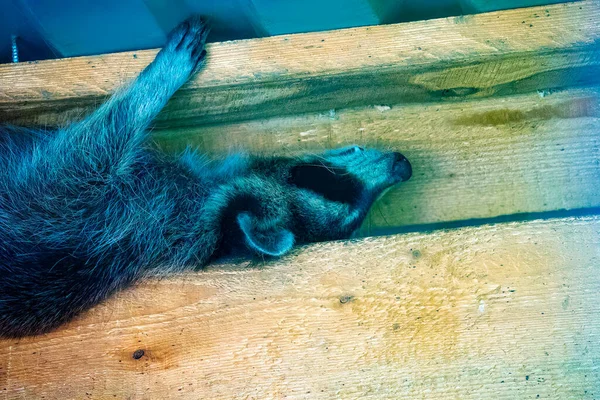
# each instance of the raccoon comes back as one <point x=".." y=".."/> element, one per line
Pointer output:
<point x="92" y="208"/>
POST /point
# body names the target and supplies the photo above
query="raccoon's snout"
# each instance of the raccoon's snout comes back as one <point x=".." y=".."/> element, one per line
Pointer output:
<point x="402" y="168"/>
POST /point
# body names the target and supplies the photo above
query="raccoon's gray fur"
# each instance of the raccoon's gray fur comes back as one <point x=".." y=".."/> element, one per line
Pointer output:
<point x="91" y="208"/>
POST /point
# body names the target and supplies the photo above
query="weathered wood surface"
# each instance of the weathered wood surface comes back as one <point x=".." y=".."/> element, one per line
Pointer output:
<point x="510" y="311"/>
<point x="476" y="56"/>
<point x="476" y="159"/>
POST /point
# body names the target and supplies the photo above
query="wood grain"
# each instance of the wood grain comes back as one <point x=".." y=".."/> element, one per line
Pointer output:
<point x="477" y="159"/>
<point x="498" y="53"/>
<point x="504" y="312"/>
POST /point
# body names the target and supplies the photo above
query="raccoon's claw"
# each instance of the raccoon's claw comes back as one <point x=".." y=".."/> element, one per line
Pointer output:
<point x="191" y="34"/>
<point x="185" y="45"/>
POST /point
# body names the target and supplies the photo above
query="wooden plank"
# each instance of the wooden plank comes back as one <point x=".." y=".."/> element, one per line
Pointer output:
<point x="477" y="159"/>
<point x="456" y="58"/>
<point x="507" y="311"/>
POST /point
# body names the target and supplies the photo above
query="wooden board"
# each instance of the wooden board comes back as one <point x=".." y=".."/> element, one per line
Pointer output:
<point x="477" y="159"/>
<point x="481" y="157"/>
<point x="509" y="311"/>
<point x="476" y="56"/>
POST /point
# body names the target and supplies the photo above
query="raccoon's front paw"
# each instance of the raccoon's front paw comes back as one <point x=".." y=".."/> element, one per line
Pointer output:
<point x="184" y="50"/>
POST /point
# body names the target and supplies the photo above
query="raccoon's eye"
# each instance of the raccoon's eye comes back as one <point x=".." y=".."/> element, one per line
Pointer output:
<point x="333" y="183"/>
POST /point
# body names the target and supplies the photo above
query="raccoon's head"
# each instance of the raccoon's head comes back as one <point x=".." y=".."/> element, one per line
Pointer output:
<point x="331" y="193"/>
<point x="280" y="201"/>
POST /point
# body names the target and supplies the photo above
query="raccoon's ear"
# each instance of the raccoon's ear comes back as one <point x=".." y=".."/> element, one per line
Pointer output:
<point x="265" y="237"/>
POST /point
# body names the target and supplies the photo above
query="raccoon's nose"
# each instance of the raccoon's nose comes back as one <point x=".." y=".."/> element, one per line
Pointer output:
<point x="402" y="167"/>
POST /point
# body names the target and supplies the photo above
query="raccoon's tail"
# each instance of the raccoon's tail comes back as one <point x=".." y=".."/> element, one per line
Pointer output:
<point x="47" y="290"/>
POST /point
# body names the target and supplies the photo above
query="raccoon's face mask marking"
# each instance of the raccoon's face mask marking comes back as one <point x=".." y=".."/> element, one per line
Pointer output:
<point x="314" y="198"/>
<point x="346" y="175"/>
<point x="334" y="191"/>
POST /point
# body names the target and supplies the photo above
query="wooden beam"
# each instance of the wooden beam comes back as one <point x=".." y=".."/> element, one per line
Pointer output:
<point x="506" y="311"/>
<point x="477" y="159"/>
<point x="464" y="57"/>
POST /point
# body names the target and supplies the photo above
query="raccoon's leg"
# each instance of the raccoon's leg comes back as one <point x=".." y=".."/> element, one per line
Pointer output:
<point x="134" y="107"/>
<point x="111" y="135"/>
